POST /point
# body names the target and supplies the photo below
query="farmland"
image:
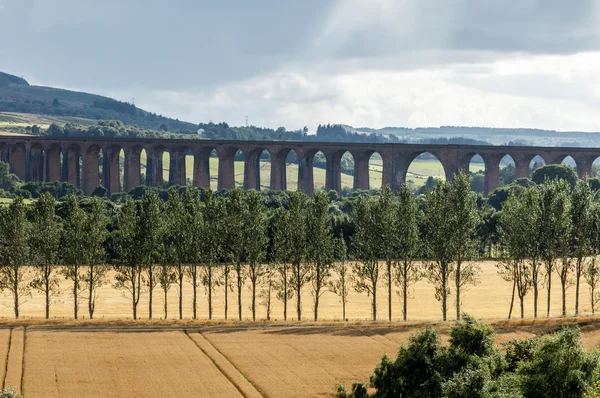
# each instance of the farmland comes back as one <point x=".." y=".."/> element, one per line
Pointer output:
<point x="212" y="360"/>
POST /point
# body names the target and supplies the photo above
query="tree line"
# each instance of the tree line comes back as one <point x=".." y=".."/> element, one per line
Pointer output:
<point x="286" y="244"/>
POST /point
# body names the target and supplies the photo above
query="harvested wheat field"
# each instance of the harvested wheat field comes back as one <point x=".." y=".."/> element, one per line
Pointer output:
<point x="489" y="299"/>
<point x="108" y="364"/>
<point x="165" y="359"/>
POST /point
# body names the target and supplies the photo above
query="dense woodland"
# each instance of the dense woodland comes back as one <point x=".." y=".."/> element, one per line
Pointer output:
<point x="283" y="242"/>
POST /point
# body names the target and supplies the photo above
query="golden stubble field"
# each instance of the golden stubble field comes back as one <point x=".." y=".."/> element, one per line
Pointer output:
<point x="114" y="357"/>
<point x="489" y="299"/>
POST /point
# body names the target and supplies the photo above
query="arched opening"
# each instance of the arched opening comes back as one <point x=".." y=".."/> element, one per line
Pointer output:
<point x="424" y="170"/>
<point x="476" y="170"/>
<point x="143" y="164"/>
<point x="238" y="168"/>
<point x="319" y="163"/>
<point x="189" y="167"/>
<point x="347" y="173"/>
<point x="595" y="173"/>
<point x="291" y="171"/>
<point x="18" y="161"/>
<point x="213" y="169"/>
<point x="166" y="167"/>
<point x="569" y="161"/>
<point x="177" y="163"/>
<point x="263" y="170"/>
<point x="4" y="155"/>
<point x="122" y="183"/>
<point x="536" y="162"/>
<point x="507" y="170"/>
<point x="375" y="171"/>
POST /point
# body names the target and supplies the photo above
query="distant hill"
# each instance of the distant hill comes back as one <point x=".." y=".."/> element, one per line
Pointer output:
<point x="18" y="96"/>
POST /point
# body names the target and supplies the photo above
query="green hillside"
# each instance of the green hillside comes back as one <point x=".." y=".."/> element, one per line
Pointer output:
<point x="18" y="96"/>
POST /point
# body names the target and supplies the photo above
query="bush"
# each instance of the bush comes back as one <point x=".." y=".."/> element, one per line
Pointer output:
<point x="555" y="172"/>
<point x="10" y="393"/>
<point x="473" y="366"/>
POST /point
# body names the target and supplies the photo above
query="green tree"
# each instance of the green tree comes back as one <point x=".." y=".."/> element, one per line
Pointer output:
<point x="555" y="172"/>
<point x="366" y="249"/>
<point x="555" y="229"/>
<point x="464" y="221"/>
<point x="129" y="253"/>
<point x="177" y="244"/>
<point x="591" y="273"/>
<point x="74" y="240"/>
<point x="8" y="181"/>
<point x="45" y="248"/>
<point x="211" y="242"/>
<point x="438" y="232"/>
<point x="516" y="238"/>
<point x="388" y="237"/>
<point x="320" y="243"/>
<point x="95" y="234"/>
<point x="298" y="245"/>
<point x="340" y="283"/>
<point x="407" y="270"/>
<point x="234" y="246"/>
<point x="149" y="230"/>
<point x="582" y="220"/>
<point x="281" y="253"/>
<point x="255" y="241"/>
<point x="15" y="230"/>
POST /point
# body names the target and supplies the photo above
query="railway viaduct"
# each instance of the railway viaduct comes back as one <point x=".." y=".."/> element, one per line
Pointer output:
<point x="78" y="161"/>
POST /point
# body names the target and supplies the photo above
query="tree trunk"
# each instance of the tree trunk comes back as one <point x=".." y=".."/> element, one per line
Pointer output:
<point x="375" y="301"/>
<point x="226" y="286"/>
<point x="299" y="308"/>
<point x="209" y="294"/>
<point x="151" y="285"/>
<point x="564" y="297"/>
<point x="458" y="275"/>
<point x="239" y="290"/>
<point x="404" y="296"/>
<point x="16" y="293"/>
<point x="535" y="299"/>
<point x="577" y="280"/>
<point x="47" y="292"/>
<point x="180" y="291"/>
<point x="91" y="293"/>
<point x="254" y="297"/>
<point x="522" y="299"/>
<point x="165" y="307"/>
<point x="512" y="299"/>
<point x="549" y="291"/>
<point x="389" y="274"/>
<point x="444" y="293"/>
<point x="75" y="289"/>
<point x="317" y="291"/>
<point x="285" y="293"/>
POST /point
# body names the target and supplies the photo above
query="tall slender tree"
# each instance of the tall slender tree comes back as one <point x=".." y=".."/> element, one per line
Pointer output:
<point x="464" y="221"/>
<point x="129" y="253"/>
<point x="255" y="241"/>
<point x="406" y="250"/>
<point x="95" y="234"/>
<point x="298" y="245"/>
<point x="150" y="230"/>
<point x="236" y="213"/>
<point x="366" y="249"/>
<point x="14" y="251"/>
<point x="582" y="221"/>
<point x="212" y="242"/>
<point x="320" y="243"/>
<point x="438" y="231"/>
<point x="73" y="246"/>
<point x="281" y="249"/>
<point x="555" y="228"/>
<point x="340" y="283"/>
<point x="177" y="244"/>
<point x="388" y="237"/>
<point x="45" y="248"/>
<point x="195" y="253"/>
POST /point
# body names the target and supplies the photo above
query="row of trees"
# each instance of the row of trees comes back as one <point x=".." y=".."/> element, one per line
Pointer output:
<point x="291" y="242"/>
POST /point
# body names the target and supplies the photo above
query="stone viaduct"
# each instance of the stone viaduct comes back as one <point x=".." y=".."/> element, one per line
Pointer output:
<point x="77" y="160"/>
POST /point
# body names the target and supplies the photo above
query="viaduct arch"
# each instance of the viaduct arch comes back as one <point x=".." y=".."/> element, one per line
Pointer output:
<point x="34" y="158"/>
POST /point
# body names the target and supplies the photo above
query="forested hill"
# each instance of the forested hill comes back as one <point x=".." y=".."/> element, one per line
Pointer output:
<point x="17" y="95"/>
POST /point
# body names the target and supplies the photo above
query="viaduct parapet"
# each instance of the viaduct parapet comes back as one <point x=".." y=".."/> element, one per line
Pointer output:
<point x="35" y="158"/>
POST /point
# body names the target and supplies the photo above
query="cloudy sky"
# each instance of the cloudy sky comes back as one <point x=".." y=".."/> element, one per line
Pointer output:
<point x="375" y="63"/>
